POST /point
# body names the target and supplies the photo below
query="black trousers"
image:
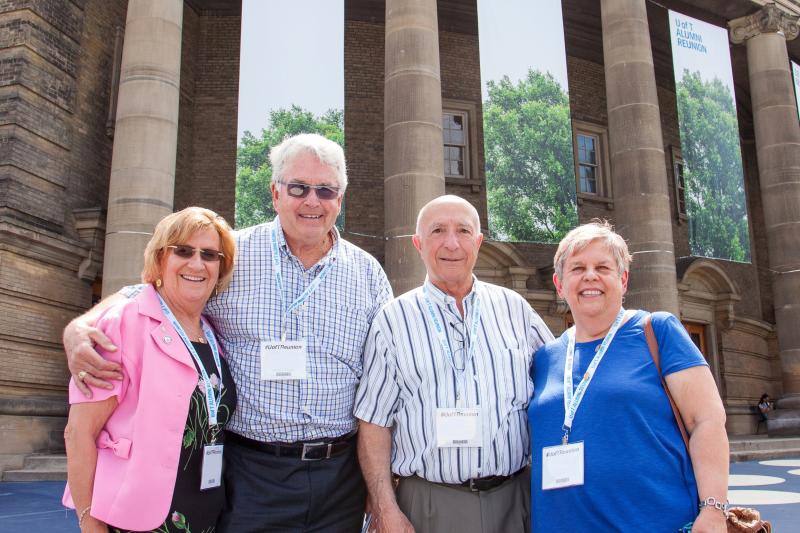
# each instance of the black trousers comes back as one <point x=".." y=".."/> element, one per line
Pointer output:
<point x="266" y="493"/>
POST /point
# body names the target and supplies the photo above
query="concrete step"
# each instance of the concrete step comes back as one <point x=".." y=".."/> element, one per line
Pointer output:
<point x="46" y="462"/>
<point x="764" y="455"/>
<point x="762" y="442"/>
<point x="35" y="475"/>
<point x="39" y="467"/>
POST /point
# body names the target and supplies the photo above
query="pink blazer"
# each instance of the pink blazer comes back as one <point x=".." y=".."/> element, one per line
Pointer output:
<point x="139" y="447"/>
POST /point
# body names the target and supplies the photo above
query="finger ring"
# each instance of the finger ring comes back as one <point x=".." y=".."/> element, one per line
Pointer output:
<point x="82" y="374"/>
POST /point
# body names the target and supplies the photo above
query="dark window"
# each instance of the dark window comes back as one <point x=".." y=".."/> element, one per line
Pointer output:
<point x="454" y="132"/>
<point x="680" y="187"/>
<point x="587" y="163"/>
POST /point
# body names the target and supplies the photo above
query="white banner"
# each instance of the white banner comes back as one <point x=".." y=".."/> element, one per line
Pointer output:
<point x="710" y="149"/>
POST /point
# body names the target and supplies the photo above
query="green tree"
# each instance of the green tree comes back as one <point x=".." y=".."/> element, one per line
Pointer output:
<point x="529" y="164"/>
<point x="253" y="169"/>
<point x="715" y="198"/>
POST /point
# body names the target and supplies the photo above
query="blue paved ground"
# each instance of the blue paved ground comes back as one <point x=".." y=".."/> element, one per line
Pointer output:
<point x="36" y="506"/>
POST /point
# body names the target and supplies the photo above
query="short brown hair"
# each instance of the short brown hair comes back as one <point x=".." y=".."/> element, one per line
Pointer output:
<point x="177" y="228"/>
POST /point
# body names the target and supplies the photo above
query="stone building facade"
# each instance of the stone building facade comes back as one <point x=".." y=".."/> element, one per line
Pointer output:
<point x="114" y="113"/>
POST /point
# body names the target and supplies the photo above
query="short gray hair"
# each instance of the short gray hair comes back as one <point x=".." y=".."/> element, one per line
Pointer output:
<point x="582" y="236"/>
<point x="325" y="150"/>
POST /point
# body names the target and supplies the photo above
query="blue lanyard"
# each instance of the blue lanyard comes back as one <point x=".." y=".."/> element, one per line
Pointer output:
<point x="276" y="268"/>
<point x="573" y="400"/>
<point x="438" y="327"/>
<point x="212" y="401"/>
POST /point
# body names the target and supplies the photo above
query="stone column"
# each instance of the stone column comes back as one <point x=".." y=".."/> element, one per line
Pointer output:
<point x="413" y="160"/>
<point x="145" y="138"/>
<point x="641" y="195"/>
<point x="777" y="135"/>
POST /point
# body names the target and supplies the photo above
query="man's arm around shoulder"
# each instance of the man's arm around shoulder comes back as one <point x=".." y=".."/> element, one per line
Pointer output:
<point x="80" y="337"/>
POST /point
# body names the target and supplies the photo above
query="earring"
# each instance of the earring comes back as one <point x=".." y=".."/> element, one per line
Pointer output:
<point x="158" y="283"/>
<point x="216" y="289"/>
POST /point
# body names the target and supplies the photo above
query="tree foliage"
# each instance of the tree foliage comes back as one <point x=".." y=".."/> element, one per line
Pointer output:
<point x="715" y="199"/>
<point x="529" y="164"/>
<point x="254" y="171"/>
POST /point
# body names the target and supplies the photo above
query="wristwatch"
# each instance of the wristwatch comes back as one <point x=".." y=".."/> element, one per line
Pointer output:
<point x="715" y="503"/>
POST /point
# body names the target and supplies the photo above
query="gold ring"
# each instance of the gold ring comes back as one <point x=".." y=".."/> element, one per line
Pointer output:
<point x="82" y="374"/>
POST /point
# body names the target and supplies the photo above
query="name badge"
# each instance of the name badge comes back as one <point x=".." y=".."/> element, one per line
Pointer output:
<point x="562" y="466"/>
<point x="459" y="427"/>
<point x="283" y="360"/>
<point x="211" y="476"/>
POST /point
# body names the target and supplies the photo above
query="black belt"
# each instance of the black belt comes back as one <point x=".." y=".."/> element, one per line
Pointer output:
<point x="478" y="484"/>
<point x="306" y="451"/>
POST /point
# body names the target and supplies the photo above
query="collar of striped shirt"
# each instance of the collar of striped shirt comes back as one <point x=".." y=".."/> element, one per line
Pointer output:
<point x="440" y="297"/>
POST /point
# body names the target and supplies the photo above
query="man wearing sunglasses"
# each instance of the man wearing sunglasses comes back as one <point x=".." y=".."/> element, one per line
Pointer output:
<point x="292" y="325"/>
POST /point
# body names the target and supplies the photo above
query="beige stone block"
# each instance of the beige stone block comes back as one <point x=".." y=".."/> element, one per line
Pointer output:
<point x="413" y="147"/>
<point x="770" y="88"/>
<point x="405" y="270"/>
<point x="637" y="172"/>
<point x="409" y="193"/>
<point x="627" y="41"/>
<point x="619" y="10"/>
<point x="636" y="126"/>
<point x="629" y="83"/>
<point x="410" y="13"/>
<point x="412" y="48"/>
<point x="776" y="125"/>
<point x="159" y="9"/>
<point x="779" y="162"/>
<point x="765" y="52"/>
<point x="144" y="99"/>
<point x="152" y="47"/>
<point x="414" y="97"/>
<point x="784" y="254"/>
<point x="145" y="143"/>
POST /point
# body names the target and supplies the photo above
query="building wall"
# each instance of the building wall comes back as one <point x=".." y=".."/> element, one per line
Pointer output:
<point x="56" y="63"/>
<point x="363" y="123"/>
<point x="55" y="71"/>
<point x="206" y="162"/>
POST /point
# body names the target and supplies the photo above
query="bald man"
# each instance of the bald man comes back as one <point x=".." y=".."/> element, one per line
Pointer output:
<point x="442" y="402"/>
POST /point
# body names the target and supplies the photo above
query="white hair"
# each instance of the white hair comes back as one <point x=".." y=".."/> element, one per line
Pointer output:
<point x="325" y="150"/>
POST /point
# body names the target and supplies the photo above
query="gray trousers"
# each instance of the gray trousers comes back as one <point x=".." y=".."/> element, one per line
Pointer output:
<point x="436" y="508"/>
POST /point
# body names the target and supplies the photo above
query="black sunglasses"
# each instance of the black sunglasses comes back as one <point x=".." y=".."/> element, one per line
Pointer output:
<point x="185" y="251"/>
<point x="301" y="190"/>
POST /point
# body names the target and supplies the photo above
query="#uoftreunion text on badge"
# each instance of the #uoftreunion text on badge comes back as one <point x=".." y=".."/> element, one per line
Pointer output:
<point x="562" y="466"/>
<point x="212" y="467"/>
<point x="458" y="427"/>
<point x="283" y="360"/>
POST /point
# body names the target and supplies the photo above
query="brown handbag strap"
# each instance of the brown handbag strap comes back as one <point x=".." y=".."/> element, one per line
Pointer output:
<point x="652" y="344"/>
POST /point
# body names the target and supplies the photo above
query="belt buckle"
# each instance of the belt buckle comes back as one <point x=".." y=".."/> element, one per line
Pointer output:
<point x="309" y="446"/>
<point x="472" y="486"/>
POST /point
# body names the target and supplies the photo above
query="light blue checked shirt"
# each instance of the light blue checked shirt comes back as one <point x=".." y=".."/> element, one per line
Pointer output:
<point x="407" y="375"/>
<point x="334" y="322"/>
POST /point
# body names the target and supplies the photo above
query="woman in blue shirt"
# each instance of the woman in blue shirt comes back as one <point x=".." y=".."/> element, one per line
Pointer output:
<point x="607" y="452"/>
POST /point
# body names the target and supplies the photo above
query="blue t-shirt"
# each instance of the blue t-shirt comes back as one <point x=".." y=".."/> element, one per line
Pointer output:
<point x="637" y="472"/>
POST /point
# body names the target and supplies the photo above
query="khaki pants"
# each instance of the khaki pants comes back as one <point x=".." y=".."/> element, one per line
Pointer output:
<point x="437" y="508"/>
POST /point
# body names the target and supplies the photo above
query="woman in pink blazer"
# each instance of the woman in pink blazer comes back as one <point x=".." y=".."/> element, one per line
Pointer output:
<point x="147" y="454"/>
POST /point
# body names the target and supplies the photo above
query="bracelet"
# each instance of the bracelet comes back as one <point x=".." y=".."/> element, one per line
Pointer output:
<point x="715" y="503"/>
<point x="82" y="515"/>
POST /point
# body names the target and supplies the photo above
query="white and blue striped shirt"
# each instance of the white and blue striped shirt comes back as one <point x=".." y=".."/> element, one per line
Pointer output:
<point x="407" y="376"/>
<point x="334" y="322"/>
